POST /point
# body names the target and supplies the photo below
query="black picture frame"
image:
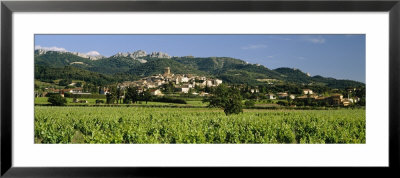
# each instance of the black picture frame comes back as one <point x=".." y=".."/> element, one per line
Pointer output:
<point x="8" y="7"/>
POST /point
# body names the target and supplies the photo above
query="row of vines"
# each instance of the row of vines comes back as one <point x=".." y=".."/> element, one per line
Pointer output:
<point x="196" y="125"/>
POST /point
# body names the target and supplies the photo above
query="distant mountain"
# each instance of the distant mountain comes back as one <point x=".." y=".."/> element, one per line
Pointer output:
<point x="92" y="55"/>
<point x="297" y="76"/>
<point x="140" y="64"/>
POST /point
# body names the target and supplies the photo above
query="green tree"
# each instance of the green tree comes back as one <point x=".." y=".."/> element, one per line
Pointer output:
<point x="110" y="98"/>
<point x="233" y="106"/>
<point x="132" y="95"/>
<point x="57" y="100"/>
<point x="226" y="98"/>
<point x="65" y="82"/>
<point x="169" y="87"/>
<point x="147" y="95"/>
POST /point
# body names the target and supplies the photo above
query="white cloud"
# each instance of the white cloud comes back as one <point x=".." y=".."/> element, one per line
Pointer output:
<point x="315" y="40"/>
<point x="301" y="57"/>
<point x="93" y="53"/>
<point x="53" y="48"/>
<point x="254" y="46"/>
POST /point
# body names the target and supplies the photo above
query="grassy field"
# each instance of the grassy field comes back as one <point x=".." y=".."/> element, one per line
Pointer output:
<point x="196" y="125"/>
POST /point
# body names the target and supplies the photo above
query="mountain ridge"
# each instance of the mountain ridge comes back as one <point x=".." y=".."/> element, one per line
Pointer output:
<point x="231" y="70"/>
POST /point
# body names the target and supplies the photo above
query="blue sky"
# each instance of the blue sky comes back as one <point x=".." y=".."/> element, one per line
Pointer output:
<point x="339" y="56"/>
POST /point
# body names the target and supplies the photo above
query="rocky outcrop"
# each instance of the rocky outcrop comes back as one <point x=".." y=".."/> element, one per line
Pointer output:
<point x="140" y="53"/>
<point x="159" y="55"/>
<point x="94" y="55"/>
<point x="134" y="55"/>
<point x="91" y="57"/>
<point x="40" y="51"/>
<point x="137" y="54"/>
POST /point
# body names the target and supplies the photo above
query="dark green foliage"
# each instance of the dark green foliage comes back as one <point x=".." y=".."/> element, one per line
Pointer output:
<point x="110" y="98"/>
<point x="210" y="64"/>
<point x="299" y="77"/>
<point x="147" y="96"/>
<point x="132" y="95"/>
<point x="57" y="100"/>
<point x="96" y="96"/>
<point x="227" y="98"/>
<point x="65" y="82"/>
<point x="78" y="84"/>
<point x="99" y="101"/>
<point x="283" y="103"/>
<point x="233" y="106"/>
<point x="169" y="100"/>
<point x="157" y="66"/>
<point x="58" y="60"/>
<point x="249" y="103"/>
<point x="46" y="74"/>
<point x="114" y="65"/>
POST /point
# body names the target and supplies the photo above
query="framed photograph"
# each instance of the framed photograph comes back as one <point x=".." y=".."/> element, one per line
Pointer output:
<point x="166" y="88"/>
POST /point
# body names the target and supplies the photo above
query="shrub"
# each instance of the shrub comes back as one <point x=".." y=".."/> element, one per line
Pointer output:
<point x="57" y="100"/>
<point x="233" y="106"/>
<point x="249" y="103"/>
<point x="170" y="100"/>
<point x="283" y="103"/>
<point x="65" y="82"/>
<point x="99" y="101"/>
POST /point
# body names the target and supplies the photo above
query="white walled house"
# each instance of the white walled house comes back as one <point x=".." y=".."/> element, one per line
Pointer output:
<point x="270" y="96"/>
<point x="184" y="90"/>
<point x="209" y="83"/>
<point x="217" y="82"/>
<point x="157" y="93"/>
<point x="307" y="91"/>
<point x="184" y="79"/>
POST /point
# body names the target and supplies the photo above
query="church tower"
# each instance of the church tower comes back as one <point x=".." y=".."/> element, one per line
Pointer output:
<point x="167" y="71"/>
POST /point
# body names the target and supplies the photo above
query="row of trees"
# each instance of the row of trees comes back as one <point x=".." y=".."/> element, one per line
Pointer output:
<point x="130" y="95"/>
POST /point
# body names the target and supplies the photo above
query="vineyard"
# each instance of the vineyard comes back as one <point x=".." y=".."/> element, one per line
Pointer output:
<point x="196" y="125"/>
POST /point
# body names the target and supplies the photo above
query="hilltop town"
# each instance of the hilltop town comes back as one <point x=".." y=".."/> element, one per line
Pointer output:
<point x="182" y="83"/>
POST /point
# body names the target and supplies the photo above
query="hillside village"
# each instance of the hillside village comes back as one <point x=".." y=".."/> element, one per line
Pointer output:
<point x="183" y="83"/>
<point x="334" y="99"/>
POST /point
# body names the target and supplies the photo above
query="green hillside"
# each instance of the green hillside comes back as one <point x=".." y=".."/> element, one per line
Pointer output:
<point x="157" y="66"/>
<point x="70" y="72"/>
